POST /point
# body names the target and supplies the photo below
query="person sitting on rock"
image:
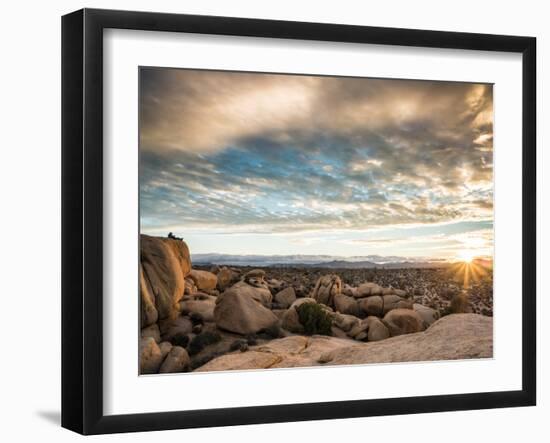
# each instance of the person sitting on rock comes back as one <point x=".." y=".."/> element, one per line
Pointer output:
<point x="173" y="237"/>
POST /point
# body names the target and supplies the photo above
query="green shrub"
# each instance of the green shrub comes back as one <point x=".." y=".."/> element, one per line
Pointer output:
<point x="314" y="319"/>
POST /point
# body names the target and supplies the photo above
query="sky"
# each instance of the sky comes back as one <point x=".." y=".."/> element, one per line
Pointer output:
<point x="278" y="164"/>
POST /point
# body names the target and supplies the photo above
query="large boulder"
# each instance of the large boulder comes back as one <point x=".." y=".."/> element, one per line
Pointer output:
<point x="164" y="263"/>
<point x="380" y="305"/>
<point x="377" y="330"/>
<point x="346" y="305"/>
<point x="204" y="280"/>
<point x="393" y="301"/>
<point x="326" y="288"/>
<point x="259" y="294"/>
<point x="429" y="315"/>
<point x="348" y="290"/>
<point x="150" y="356"/>
<point x="255" y="273"/>
<point x="370" y="328"/>
<point x="241" y="310"/>
<point x="403" y="321"/>
<point x="202" y="304"/>
<point x="286" y="297"/>
<point x="367" y="289"/>
<point x="148" y="310"/>
<point x="176" y="361"/>
<point x="226" y="278"/>
<point x="372" y="305"/>
<point x="256" y="278"/>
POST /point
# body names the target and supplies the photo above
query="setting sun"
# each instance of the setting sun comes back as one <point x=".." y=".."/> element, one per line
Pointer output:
<point x="466" y="256"/>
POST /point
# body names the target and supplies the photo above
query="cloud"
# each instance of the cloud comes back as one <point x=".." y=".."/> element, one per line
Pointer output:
<point x="274" y="153"/>
<point x="204" y="111"/>
<point x="195" y="110"/>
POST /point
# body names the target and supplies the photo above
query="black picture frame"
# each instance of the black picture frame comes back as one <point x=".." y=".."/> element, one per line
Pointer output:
<point x="82" y="219"/>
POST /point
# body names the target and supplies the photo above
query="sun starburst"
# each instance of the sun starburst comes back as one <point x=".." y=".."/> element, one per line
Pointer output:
<point x="469" y="269"/>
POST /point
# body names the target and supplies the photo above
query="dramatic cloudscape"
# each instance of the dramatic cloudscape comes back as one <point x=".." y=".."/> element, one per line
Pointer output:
<point x="247" y="163"/>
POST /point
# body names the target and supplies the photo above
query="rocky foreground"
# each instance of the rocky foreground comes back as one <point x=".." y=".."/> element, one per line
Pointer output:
<point x="238" y="318"/>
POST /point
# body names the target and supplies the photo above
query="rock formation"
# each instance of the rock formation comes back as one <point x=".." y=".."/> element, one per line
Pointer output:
<point x="242" y="309"/>
<point x="458" y="336"/>
<point x="206" y="318"/>
<point x="164" y="264"/>
<point x="326" y="289"/>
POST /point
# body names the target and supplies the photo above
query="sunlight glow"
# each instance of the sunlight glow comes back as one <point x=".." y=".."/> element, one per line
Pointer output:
<point x="466" y="256"/>
<point x="469" y="271"/>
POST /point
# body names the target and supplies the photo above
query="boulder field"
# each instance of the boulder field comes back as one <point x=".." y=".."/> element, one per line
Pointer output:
<point x="454" y="337"/>
<point x="227" y="318"/>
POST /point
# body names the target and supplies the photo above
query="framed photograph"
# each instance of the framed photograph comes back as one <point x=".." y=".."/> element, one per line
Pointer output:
<point x="268" y="221"/>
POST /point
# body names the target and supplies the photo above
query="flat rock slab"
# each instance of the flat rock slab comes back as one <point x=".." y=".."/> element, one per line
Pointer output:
<point x="288" y="352"/>
<point x="456" y="336"/>
<point x="241" y="361"/>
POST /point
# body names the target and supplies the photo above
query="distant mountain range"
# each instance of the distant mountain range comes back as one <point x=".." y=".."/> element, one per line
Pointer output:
<point x="342" y="264"/>
<point x="317" y="261"/>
